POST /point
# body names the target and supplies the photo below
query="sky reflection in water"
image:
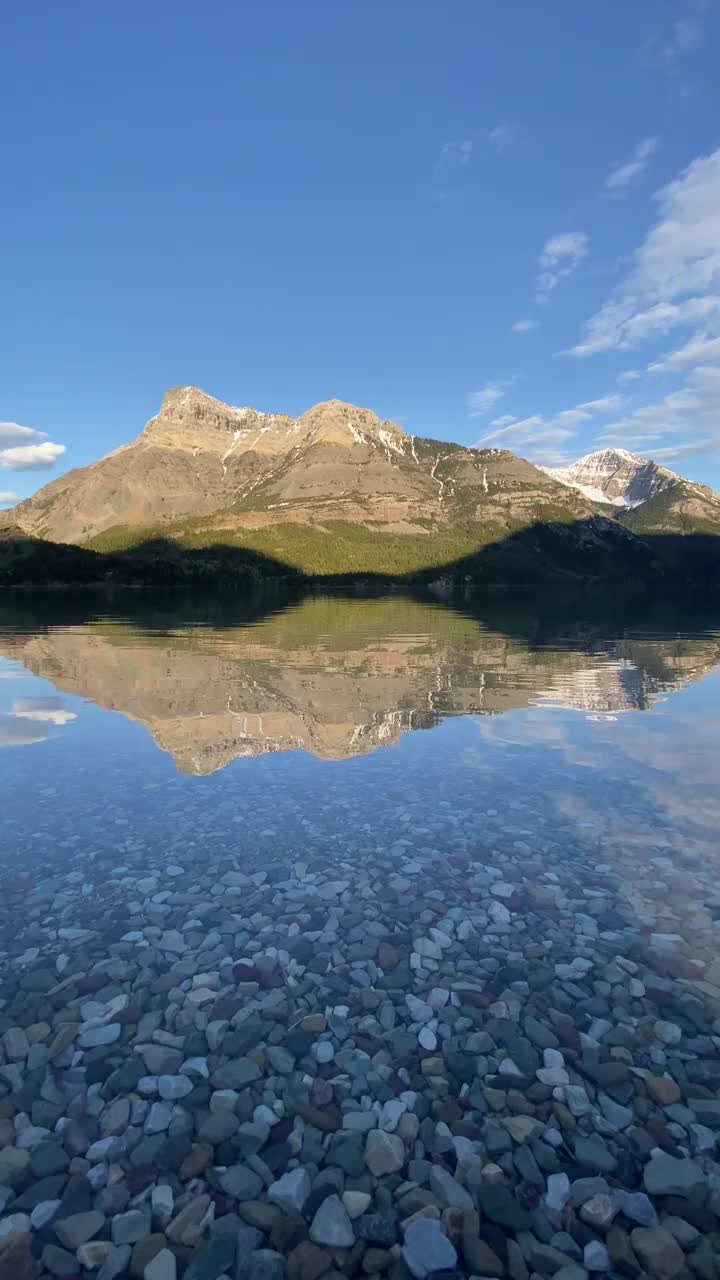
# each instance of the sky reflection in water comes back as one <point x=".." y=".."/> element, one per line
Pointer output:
<point x="349" y="727"/>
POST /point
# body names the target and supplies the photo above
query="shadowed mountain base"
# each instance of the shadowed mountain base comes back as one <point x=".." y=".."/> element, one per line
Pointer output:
<point x="594" y="549"/>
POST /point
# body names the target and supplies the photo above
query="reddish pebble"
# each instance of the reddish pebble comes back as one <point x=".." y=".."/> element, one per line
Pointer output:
<point x="568" y="1035"/>
<point x="281" y="1132"/>
<point x="322" y="1092"/>
<point x="128" y="1017"/>
<point x="92" y="982"/>
<point x="271" y="981"/>
<point x="388" y="956"/>
<point x="663" y="1138"/>
<point x="140" y="1176"/>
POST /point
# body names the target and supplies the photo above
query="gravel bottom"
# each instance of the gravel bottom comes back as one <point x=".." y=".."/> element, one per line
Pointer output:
<point x="391" y="1065"/>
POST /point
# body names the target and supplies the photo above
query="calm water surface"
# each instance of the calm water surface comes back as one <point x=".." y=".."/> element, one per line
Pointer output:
<point x="397" y="898"/>
<point x="354" y="728"/>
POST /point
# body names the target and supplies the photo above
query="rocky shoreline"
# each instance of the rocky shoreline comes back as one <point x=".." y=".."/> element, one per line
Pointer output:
<point x="334" y="1068"/>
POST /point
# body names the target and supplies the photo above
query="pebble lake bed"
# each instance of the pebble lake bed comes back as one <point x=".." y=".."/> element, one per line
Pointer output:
<point x="372" y="1002"/>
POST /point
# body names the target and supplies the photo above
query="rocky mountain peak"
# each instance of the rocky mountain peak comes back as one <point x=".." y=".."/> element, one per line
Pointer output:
<point x="615" y="476"/>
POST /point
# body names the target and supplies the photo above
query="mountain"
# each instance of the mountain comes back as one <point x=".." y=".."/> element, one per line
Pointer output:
<point x="649" y="498"/>
<point x="615" y="476"/>
<point x="336" y="492"/>
<point x="335" y="677"/>
<point x="199" y="457"/>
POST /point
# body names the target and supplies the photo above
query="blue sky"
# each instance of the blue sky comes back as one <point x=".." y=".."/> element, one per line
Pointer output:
<point x="472" y="218"/>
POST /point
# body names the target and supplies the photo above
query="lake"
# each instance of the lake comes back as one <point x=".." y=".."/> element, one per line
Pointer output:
<point x="413" y="900"/>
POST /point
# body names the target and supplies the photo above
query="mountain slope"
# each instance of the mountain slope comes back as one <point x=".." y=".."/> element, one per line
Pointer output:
<point x="649" y="498"/>
<point x="615" y="476"/>
<point x="681" y="508"/>
<point x="208" y="488"/>
<point x="199" y="458"/>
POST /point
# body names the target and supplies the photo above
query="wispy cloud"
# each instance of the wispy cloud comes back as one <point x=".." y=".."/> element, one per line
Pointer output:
<point x="502" y="136"/>
<point x="454" y="154"/>
<point x="667" y="49"/>
<point x="700" y="350"/>
<point x="480" y="402"/>
<point x="561" y="255"/>
<point x="690" y="414"/>
<point x="7" y="498"/>
<point x="503" y="421"/>
<point x="537" y="432"/>
<point x="31" y="457"/>
<point x="675" y="275"/>
<point x="453" y="157"/>
<point x="626" y="174"/>
<point x="524" y="326"/>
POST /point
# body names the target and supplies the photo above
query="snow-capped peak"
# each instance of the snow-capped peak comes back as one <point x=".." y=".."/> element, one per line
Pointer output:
<point x="614" y="476"/>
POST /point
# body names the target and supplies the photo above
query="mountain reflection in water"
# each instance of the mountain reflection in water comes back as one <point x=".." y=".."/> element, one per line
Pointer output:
<point x="341" y="677"/>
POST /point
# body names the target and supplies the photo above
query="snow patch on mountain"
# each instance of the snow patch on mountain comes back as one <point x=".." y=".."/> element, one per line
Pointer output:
<point x="615" y="476"/>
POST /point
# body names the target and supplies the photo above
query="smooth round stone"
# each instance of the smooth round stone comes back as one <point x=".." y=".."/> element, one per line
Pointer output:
<point x="291" y="1191"/>
<point x="427" y="1248"/>
<point x="331" y="1225"/>
<point x="356" y="1203"/>
<point x="158" y="1118"/>
<point x="391" y="1114"/>
<point x="162" y="1267"/>
<point x="322" y="1051"/>
<point x="427" y="1039"/>
<point x="384" y="1153"/>
<point x="98" y="1036"/>
<point x="552" y="1076"/>
<point x="173" y="1088"/>
<point x="668" y="1032"/>
<point x="44" y="1213"/>
<point x="15" y="1224"/>
<point x="78" y="1228"/>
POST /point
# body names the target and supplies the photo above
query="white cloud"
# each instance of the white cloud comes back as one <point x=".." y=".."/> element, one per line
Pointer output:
<point x="504" y="421"/>
<point x="699" y="350"/>
<point x="691" y="413"/>
<point x="480" y="402"/>
<point x="675" y="276"/>
<point x="618" y="327"/>
<point x="524" y="326"/>
<point x="569" y="244"/>
<point x="561" y="255"/>
<point x="605" y="404"/>
<point x="15" y="732"/>
<point x="454" y="154"/>
<point x="11" y="433"/>
<point x="43" y="710"/>
<point x="502" y="136"/>
<point x="629" y="375"/>
<point x="31" y="457"/>
<point x="522" y="425"/>
<point x="624" y="176"/>
<point x="538" y="431"/>
<point x="7" y="497"/>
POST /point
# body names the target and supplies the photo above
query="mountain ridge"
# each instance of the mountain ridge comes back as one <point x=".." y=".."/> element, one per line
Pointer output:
<point x="199" y="457"/>
<point x="340" y="492"/>
<point x="648" y="497"/>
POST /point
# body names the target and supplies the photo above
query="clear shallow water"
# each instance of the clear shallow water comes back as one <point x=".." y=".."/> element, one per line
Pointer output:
<point x="275" y="878"/>
<point x="334" y="727"/>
